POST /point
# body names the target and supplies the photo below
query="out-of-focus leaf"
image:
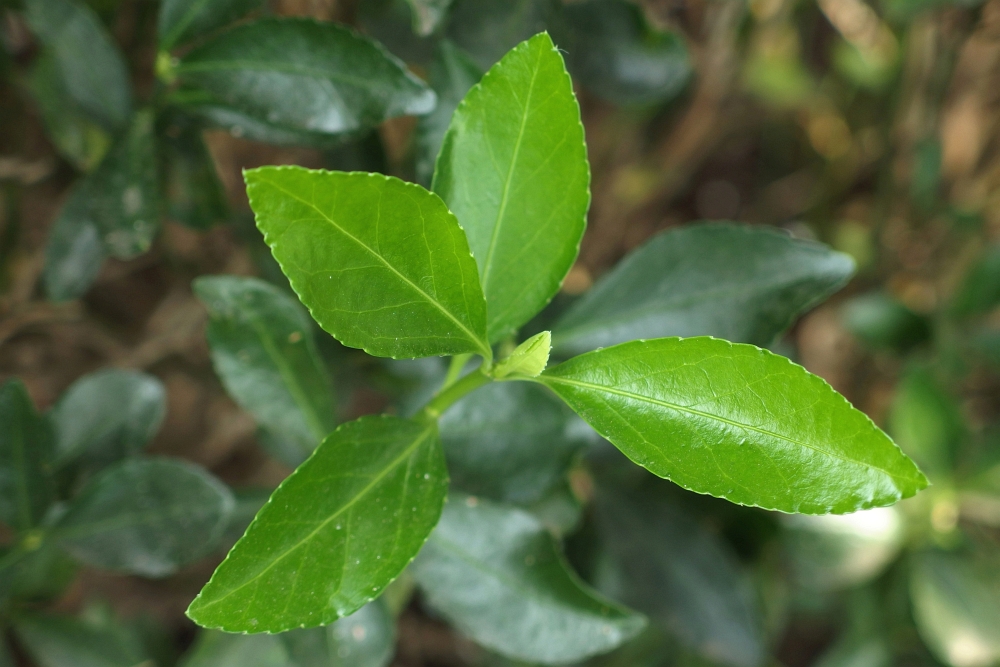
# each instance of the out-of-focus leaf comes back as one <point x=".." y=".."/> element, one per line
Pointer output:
<point x="926" y="421"/>
<point x="905" y="10"/>
<point x="488" y="29"/>
<point x="668" y="566"/>
<point x="495" y="573"/>
<point x="613" y="52"/>
<point x="60" y="641"/>
<point x="146" y="517"/>
<point x="182" y="20"/>
<point x="452" y="74"/>
<point x="744" y="284"/>
<point x="305" y="76"/>
<point x="263" y="350"/>
<point x="75" y="253"/>
<point x="194" y="194"/>
<point x="428" y="14"/>
<point x="6" y="659"/>
<point x="956" y="603"/>
<point x="883" y="322"/>
<point x="35" y="574"/>
<point x="925" y="178"/>
<point x="857" y="652"/>
<point x="980" y="291"/>
<point x="90" y="65"/>
<point x="868" y="69"/>
<point x="510" y="441"/>
<point x="221" y="649"/>
<point x="108" y="415"/>
<point x="26" y="452"/>
<point x="839" y="551"/>
<point x="366" y="638"/>
<point x="559" y="509"/>
<point x="335" y="533"/>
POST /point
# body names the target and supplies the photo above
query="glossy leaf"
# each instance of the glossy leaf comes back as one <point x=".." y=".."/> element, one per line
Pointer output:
<point x="381" y="264"/>
<point x="335" y="533"/>
<point x="74" y="253"/>
<point x="146" y="517"/>
<point x="305" y="75"/>
<point x="428" y="14"/>
<point x="366" y="638"/>
<point x="108" y="415"/>
<point x="90" y="64"/>
<point x="193" y="192"/>
<point x="220" y="649"/>
<point x="511" y="441"/>
<point x="26" y="450"/>
<point x="667" y="565"/>
<point x="736" y="422"/>
<point x="495" y="573"/>
<point x="263" y="350"/>
<point x="182" y="20"/>
<point x="740" y="283"/>
<point x="488" y="29"/>
<point x="513" y="168"/>
<point x="59" y="641"/>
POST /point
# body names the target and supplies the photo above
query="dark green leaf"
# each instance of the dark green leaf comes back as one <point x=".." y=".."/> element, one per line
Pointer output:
<point x="90" y="64"/>
<point x="428" y="14"/>
<point x="335" y="533"/>
<point x="182" y="20"/>
<point x="488" y="29"/>
<point x="337" y="235"/>
<point x="74" y="253"/>
<point x="740" y="283"/>
<point x="55" y="641"/>
<point x="883" y="322"/>
<point x="26" y="451"/>
<point x="736" y="422"/>
<point x="495" y="573"/>
<point x="510" y="441"/>
<point x="305" y="76"/>
<point x="667" y="565"/>
<point x="6" y="659"/>
<point x="613" y="51"/>
<point x="263" y="350"/>
<point x="366" y="638"/>
<point x="513" y="168"/>
<point x="980" y="291"/>
<point x="146" y="517"/>
<point x="220" y="649"/>
<point x="926" y="422"/>
<point x="108" y="415"/>
<point x="194" y="195"/>
<point x="35" y="574"/>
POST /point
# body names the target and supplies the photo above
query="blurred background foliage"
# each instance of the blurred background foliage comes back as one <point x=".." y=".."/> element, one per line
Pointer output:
<point x="872" y="127"/>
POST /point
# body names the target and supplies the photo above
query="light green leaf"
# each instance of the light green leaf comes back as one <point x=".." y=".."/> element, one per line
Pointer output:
<point x="527" y="360"/>
<point x="428" y="14"/>
<point x="91" y="66"/>
<point x="305" y="75"/>
<point x="513" y="168"/>
<point x="495" y="573"/>
<point x="335" y="533"/>
<point x="381" y="264"/>
<point x="193" y="192"/>
<point x="740" y="283"/>
<point x="220" y="649"/>
<point x="60" y="641"/>
<point x="182" y="20"/>
<point x="108" y="415"/>
<point x="366" y="638"/>
<point x="74" y="253"/>
<point x="26" y="450"/>
<point x="263" y="350"/>
<point x="736" y="422"/>
<point x="146" y="517"/>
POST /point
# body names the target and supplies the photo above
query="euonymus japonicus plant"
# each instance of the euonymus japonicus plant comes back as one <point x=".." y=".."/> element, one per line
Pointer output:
<point x="403" y="272"/>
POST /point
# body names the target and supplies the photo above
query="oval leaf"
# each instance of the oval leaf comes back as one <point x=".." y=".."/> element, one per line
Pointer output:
<point x="744" y="284"/>
<point x="263" y="350"/>
<point x="513" y="168"/>
<point x="335" y="533"/>
<point x="495" y="573"/>
<point x="381" y="264"/>
<point x="26" y="451"/>
<point x="306" y="75"/>
<point x="146" y="517"/>
<point x="736" y="422"/>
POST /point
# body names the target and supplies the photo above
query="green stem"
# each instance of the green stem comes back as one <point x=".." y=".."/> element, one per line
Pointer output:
<point x="451" y="393"/>
<point x="458" y="362"/>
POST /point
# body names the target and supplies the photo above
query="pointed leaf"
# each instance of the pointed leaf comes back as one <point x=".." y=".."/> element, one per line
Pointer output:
<point x="263" y="350"/>
<point x="366" y="638"/>
<point x="26" y="450"/>
<point x="528" y="360"/>
<point x="146" y="517"/>
<point x="305" y="75"/>
<point x="513" y="168"/>
<point x="335" y="533"/>
<point x="381" y="264"/>
<point x="495" y="573"/>
<point x="182" y="20"/>
<point x="740" y="283"/>
<point x="736" y="422"/>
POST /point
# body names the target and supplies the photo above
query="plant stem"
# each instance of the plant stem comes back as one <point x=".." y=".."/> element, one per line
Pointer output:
<point x="458" y="363"/>
<point x="451" y="393"/>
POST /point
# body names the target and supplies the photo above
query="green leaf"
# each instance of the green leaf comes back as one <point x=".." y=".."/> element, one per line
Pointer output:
<point x="510" y="441"/>
<point x="193" y="192"/>
<point x="488" y="29"/>
<point x="452" y="73"/>
<point x="60" y="641"/>
<point x="980" y="290"/>
<point x="94" y="72"/>
<point x="428" y="14"/>
<point x="74" y="253"/>
<point x="108" y="415"/>
<point x="248" y="502"/>
<point x="35" y="574"/>
<point x="881" y="321"/>
<point x="366" y="638"/>
<point x="669" y="566"/>
<point x="146" y="517"/>
<point x="263" y="350"/>
<point x="927" y="422"/>
<point x="26" y="449"/>
<point x="740" y="283"/>
<point x="613" y="51"/>
<point x="335" y="533"/>
<point x="220" y="649"/>
<point x="736" y="422"/>
<point x="527" y="360"/>
<point x="337" y="235"/>
<point x="183" y="20"/>
<point x="495" y="573"/>
<point x="305" y="76"/>
<point x="513" y="168"/>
